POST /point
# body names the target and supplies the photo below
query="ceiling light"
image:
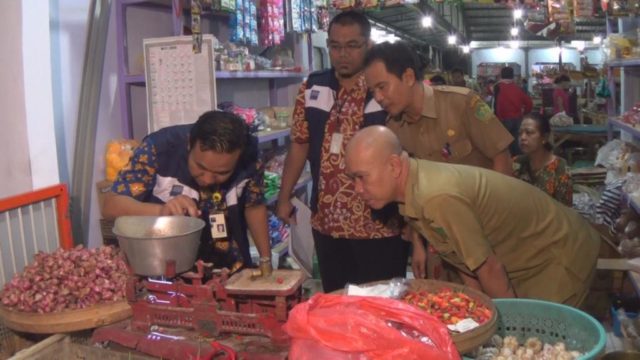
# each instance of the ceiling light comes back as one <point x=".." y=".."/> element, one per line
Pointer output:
<point x="514" y="31"/>
<point x="452" y="39"/>
<point x="465" y="49"/>
<point x="427" y="21"/>
<point x="597" y="39"/>
<point x="579" y="45"/>
<point x="517" y="14"/>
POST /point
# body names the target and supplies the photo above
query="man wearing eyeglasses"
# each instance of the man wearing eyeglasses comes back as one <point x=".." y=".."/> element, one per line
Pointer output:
<point x="352" y="245"/>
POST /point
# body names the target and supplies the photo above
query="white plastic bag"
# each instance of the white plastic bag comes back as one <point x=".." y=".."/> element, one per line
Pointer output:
<point x="561" y="119"/>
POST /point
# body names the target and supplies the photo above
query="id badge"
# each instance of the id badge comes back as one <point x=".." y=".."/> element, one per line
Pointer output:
<point x="218" y="226"/>
<point x="336" y="143"/>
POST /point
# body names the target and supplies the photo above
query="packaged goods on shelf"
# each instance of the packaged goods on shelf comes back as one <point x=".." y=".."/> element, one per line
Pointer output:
<point x="117" y="155"/>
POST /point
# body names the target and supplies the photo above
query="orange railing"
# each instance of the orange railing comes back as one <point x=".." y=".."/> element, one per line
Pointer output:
<point x="61" y="196"/>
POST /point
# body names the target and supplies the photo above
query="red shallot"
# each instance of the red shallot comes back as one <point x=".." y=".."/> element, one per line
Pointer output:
<point x="67" y="279"/>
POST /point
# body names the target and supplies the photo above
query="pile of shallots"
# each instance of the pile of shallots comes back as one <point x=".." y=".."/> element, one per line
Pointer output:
<point x="67" y="279"/>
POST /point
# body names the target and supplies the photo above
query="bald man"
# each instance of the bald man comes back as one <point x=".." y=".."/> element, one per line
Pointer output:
<point x="504" y="236"/>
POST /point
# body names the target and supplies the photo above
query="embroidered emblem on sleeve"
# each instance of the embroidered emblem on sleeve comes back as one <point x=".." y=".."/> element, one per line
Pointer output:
<point x="481" y="110"/>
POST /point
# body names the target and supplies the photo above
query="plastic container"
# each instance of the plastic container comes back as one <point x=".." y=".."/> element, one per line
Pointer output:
<point x="615" y="320"/>
<point x="551" y="323"/>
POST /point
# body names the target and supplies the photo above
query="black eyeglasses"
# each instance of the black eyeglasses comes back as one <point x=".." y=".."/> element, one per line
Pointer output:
<point x="349" y="47"/>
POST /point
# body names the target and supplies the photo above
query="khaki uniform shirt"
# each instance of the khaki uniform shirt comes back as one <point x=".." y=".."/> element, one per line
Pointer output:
<point x="456" y="126"/>
<point x="548" y="250"/>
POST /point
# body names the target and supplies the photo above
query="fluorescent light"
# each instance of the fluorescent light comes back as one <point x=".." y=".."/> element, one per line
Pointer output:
<point x="514" y="44"/>
<point x="579" y="45"/>
<point x="514" y="31"/>
<point x="427" y="21"/>
<point x="517" y="14"/>
<point x="597" y="39"/>
<point x="465" y="49"/>
<point x="452" y="39"/>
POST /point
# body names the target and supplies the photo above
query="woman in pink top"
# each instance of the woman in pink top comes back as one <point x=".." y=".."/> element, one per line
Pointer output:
<point x="561" y="94"/>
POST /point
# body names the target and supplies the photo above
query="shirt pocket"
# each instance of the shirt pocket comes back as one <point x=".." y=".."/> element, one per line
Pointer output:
<point x="460" y="149"/>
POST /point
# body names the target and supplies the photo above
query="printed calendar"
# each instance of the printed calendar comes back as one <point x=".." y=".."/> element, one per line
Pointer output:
<point x="180" y="84"/>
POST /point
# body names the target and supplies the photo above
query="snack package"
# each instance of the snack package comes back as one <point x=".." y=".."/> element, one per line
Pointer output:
<point x="117" y="155"/>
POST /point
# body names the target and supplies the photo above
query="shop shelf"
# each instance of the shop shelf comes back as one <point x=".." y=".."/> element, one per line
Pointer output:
<point x="625" y="62"/>
<point x="617" y="124"/>
<point x="134" y="79"/>
<point x="305" y="179"/>
<point x="264" y="136"/>
<point x="261" y="74"/>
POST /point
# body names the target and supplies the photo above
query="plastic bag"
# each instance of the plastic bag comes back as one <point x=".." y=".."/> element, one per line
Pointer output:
<point x="561" y="119"/>
<point x="355" y="327"/>
<point x="117" y="155"/>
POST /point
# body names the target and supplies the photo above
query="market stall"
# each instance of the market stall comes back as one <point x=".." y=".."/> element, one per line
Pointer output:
<point x="103" y="297"/>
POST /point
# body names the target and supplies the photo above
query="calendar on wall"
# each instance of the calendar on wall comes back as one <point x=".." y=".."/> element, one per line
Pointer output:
<point x="180" y="84"/>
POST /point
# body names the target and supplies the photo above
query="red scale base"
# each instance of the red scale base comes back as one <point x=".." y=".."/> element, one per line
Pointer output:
<point x="171" y="318"/>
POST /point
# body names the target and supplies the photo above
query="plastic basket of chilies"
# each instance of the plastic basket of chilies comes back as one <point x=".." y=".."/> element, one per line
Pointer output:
<point x="554" y="326"/>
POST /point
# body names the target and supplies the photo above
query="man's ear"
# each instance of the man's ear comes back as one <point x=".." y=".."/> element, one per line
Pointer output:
<point x="409" y="76"/>
<point x="395" y="163"/>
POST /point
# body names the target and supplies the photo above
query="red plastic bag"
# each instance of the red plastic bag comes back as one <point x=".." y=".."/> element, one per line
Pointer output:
<point x="358" y="327"/>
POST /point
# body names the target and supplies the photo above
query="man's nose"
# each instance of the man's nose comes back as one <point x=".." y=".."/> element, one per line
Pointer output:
<point x="358" y="187"/>
<point x="210" y="179"/>
<point x="377" y="95"/>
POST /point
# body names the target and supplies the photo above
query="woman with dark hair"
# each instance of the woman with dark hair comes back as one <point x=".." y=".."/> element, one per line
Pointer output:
<point x="538" y="165"/>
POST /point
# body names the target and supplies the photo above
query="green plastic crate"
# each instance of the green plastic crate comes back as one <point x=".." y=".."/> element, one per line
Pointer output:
<point x="551" y="322"/>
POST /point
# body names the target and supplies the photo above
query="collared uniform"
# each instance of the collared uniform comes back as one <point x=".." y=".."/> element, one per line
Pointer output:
<point x="158" y="171"/>
<point x="548" y="250"/>
<point x="456" y="126"/>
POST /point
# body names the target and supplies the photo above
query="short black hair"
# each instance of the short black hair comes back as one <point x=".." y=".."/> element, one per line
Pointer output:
<point x="352" y="17"/>
<point x="506" y="72"/>
<point x="220" y="131"/>
<point x="437" y="80"/>
<point x="543" y="126"/>
<point x="396" y="57"/>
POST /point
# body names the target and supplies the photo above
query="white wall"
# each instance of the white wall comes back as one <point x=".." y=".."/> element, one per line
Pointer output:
<point x="550" y="54"/>
<point x="14" y="163"/>
<point x="29" y="142"/>
<point x="496" y="55"/>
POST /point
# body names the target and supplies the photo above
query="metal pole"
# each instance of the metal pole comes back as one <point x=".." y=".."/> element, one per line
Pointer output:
<point x="84" y="151"/>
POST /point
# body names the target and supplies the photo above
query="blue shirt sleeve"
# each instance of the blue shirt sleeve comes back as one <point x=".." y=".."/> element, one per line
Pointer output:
<point x="137" y="178"/>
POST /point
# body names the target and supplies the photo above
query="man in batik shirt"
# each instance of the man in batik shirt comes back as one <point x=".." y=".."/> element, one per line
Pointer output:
<point x="210" y="170"/>
<point x="351" y="246"/>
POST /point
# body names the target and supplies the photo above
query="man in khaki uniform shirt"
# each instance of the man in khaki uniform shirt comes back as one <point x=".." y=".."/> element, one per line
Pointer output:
<point x="505" y="237"/>
<point x="440" y="123"/>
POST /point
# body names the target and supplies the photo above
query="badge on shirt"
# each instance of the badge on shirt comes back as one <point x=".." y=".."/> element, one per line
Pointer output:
<point x="218" y="225"/>
<point x="176" y="190"/>
<point x="336" y="143"/>
<point x="481" y="110"/>
<point x="315" y="94"/>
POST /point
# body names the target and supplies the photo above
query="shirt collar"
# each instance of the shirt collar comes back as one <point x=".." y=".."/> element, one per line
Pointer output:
<point x="429" y="103"/>
<point x="408" y="209"/>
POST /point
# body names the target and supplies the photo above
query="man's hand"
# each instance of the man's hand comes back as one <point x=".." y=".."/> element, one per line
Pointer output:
<point x="180" y="205"/>
<point x="418" y="257"/>
<point x="285" y="211"/>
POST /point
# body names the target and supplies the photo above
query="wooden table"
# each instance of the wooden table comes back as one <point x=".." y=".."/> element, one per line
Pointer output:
<point x="590" y="134"/>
